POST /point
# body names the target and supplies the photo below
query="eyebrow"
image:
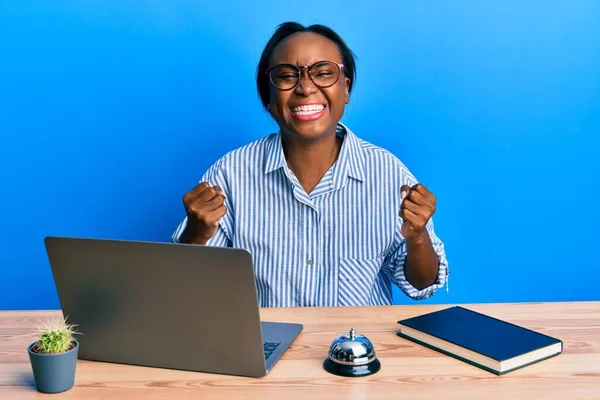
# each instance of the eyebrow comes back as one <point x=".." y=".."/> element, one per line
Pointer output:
<point x="302" y="65"/>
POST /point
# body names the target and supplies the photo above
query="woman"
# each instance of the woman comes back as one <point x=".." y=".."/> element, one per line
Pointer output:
<point x="330" y="220"/>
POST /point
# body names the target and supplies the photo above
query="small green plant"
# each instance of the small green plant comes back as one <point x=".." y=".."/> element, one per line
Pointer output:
<point x="55" y="335"/>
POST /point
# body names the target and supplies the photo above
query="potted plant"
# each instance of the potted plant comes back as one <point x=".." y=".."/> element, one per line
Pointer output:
<point x="53" y="356"/>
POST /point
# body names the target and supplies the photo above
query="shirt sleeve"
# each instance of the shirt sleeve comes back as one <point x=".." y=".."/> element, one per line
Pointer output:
<point x="219" y="239"/>
<point x="222" y="237"/>
<point x="397" y="260"/>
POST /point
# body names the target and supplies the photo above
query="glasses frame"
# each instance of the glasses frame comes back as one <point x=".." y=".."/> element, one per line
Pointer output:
<point x="309" y="73"/>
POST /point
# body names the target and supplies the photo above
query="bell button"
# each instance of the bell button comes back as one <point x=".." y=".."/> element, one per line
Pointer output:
<point x="310" y="261"/>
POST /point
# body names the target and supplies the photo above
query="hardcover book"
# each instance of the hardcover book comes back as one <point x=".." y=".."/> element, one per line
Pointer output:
<point x="489" y="343"/>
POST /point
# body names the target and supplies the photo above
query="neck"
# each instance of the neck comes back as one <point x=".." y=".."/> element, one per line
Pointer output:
<point x="310" y="160"/>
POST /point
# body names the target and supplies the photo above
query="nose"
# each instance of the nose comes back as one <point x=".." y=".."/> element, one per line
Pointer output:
<point x="305" y="84"/>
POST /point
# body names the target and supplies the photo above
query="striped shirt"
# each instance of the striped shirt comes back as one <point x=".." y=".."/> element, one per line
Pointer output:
<point x="340" y="245"/>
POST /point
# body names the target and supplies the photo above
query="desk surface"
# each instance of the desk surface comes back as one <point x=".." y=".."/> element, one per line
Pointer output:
<point x="408" y="370"/>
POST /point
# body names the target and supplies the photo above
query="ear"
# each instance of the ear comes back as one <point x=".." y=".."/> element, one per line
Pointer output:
<point x="347" y="89"/>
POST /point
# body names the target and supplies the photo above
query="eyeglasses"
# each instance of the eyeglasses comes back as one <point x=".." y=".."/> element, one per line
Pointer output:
<point x="323" y="74"/>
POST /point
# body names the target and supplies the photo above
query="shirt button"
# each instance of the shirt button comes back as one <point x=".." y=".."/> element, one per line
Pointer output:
<point x="310" y="261"/>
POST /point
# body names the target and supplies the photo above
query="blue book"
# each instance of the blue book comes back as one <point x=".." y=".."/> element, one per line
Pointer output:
<point x="491" y="344"/>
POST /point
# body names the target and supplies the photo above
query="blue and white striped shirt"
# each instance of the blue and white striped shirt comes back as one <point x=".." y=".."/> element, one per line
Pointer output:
<point x="340" y="245"/>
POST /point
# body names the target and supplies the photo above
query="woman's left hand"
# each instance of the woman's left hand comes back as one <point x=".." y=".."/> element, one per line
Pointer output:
<point x="418" y="205"/>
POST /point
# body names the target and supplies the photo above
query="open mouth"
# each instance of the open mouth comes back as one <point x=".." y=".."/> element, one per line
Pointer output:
<point x="308" y="111"/>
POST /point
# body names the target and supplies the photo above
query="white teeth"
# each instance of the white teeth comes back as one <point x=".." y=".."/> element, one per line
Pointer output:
<point x="308" y="109"/>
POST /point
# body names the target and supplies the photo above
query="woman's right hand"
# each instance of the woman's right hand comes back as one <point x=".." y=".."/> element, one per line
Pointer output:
<point x="204" y="206"/>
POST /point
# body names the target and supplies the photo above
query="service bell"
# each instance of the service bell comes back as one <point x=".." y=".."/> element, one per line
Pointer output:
<point x="352" y="355"/>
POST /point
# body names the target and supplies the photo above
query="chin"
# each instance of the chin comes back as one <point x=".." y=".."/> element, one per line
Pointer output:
<point x="309" y="130"/>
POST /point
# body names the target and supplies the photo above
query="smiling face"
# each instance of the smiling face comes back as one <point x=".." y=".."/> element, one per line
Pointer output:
<point x="308" y="112"/>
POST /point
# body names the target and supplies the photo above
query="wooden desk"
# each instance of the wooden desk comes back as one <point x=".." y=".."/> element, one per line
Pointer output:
<point x="408" y="370"/>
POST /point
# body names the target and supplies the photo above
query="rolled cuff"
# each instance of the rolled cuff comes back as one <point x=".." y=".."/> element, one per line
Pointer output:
<point x="410" y="290"/>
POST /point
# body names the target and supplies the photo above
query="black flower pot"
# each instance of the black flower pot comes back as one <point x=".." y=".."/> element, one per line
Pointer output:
<point x="54" y="373"/>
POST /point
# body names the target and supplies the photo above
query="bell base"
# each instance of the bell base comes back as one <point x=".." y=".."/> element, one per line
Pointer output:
<point x="352" y="370"/>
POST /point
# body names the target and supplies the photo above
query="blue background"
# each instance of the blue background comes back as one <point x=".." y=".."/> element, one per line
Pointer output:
<point x="110" y="111"/>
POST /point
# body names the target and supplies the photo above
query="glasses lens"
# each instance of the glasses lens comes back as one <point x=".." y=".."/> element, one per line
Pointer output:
<point x="284" y="77"/>
<point x="325" y="73"/>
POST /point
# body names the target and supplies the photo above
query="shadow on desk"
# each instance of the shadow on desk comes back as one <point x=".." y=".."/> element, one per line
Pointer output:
<point x="26" y="380"/>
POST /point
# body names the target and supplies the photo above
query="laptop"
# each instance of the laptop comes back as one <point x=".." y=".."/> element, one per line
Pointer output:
<point x="166" y="305"/>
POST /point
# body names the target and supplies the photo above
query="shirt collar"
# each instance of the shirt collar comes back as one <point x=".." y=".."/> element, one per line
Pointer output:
<point x="350" y="162"/>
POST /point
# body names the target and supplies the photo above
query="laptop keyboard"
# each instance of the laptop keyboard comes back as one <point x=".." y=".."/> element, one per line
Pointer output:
<point x="270" y="348"/>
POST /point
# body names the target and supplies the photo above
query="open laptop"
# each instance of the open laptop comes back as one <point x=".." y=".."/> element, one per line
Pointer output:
<point x="166" y="305"/>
